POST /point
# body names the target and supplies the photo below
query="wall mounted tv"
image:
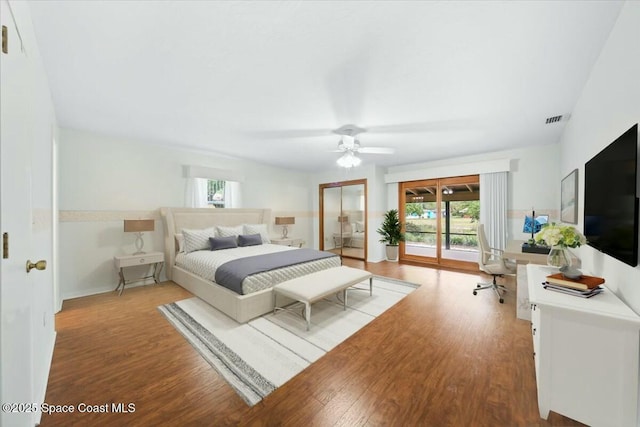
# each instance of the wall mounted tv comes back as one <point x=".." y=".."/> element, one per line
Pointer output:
<point x="611" y="199"/>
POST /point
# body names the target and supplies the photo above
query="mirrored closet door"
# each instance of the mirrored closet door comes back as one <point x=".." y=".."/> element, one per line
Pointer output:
<point x="343" y="218"/>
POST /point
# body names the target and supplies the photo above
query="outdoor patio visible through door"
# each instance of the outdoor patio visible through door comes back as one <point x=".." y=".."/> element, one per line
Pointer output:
<point x="441" y="220"/>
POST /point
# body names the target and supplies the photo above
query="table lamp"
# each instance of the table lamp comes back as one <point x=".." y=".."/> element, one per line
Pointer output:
<point x="138" y="226"/>
<point x="284" y="221"/>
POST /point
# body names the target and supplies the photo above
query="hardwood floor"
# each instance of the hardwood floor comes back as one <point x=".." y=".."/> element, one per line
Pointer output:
<point x="440" y="357"/>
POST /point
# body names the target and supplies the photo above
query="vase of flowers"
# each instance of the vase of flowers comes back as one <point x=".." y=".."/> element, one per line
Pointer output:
<point x="559" y="238"/>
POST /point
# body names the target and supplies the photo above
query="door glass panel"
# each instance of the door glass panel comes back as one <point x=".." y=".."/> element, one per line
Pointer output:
<point x="460" y="215"/>
<point x="330" y="218"/>
<point x="421" y="221"/>
<point x="344" y="218"/>
<point x="353" y="229"/>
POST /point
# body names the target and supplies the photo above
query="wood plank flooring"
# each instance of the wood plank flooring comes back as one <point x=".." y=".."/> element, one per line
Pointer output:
<point x="441" y="357"/>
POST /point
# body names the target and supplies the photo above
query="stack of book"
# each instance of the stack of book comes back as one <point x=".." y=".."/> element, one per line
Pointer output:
<point x="585" y="286"/>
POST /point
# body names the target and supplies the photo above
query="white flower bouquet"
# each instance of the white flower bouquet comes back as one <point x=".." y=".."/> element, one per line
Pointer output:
<point x="565" y="236"/>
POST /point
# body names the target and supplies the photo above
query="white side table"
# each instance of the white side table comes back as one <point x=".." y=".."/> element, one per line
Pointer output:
<point x="151" y="258"/>
<point x="290" y="241"/>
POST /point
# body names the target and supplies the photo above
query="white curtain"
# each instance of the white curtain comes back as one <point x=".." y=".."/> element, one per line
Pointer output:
<point x="232" y="194"/>
<point x="493" y="207"/>
<point x="196" y="193"/>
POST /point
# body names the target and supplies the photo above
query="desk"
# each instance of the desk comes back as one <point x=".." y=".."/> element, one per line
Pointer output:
<point x="514" y="251"/>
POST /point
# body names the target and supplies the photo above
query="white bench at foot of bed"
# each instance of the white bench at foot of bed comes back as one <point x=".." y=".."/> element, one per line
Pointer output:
<point x="315" y="286"/>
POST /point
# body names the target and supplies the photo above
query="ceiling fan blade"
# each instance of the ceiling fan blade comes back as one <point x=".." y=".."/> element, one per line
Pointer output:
<point x="376" y="150"/>
<point x="288" y="133"/>
<point x="346" y="85"/>
<point x="433" y="126"/>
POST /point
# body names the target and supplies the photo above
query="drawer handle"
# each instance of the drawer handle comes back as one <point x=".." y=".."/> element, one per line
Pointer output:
<point x="141" y="260"/>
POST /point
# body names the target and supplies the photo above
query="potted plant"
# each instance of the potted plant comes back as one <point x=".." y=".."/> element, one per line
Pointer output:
<point x="391" y="232"/>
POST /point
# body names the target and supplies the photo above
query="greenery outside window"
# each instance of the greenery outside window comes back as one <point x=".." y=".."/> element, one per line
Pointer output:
<point x="216" y="193"/>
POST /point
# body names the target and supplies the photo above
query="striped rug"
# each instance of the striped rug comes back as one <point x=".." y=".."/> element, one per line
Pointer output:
<point x="261" y="355"/>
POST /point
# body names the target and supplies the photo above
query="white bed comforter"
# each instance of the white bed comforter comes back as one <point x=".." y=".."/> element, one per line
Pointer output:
<point x="205" y="263"/>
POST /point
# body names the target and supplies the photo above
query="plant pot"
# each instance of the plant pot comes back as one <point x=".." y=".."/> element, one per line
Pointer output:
<point x="392" y="252"/>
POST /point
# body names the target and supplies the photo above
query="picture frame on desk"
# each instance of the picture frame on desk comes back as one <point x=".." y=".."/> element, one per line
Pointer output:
<point x="569" y="198"/>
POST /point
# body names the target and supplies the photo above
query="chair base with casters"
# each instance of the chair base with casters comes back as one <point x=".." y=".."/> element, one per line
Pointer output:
<point x="493" y="285"/>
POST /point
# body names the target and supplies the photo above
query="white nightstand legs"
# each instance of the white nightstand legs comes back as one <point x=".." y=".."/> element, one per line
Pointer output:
<point x="155" y="259"/>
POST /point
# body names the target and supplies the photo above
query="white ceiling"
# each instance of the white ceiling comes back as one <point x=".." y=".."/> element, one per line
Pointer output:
<point x="268" y="81"/>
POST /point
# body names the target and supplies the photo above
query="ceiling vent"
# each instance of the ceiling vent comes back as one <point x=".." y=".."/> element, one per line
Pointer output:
<point x="553" y="119"/>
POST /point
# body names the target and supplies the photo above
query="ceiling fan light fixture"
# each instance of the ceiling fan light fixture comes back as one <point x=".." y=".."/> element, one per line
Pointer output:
<point x="348" y="160"/>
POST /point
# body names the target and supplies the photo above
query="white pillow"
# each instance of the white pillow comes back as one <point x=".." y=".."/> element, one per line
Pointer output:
<point x="258" y="229"/>
<point x="360" y="226"/>
<point x="179" y="242"/>
<point x="230" y="231"/>
<point x="197" y="240"/>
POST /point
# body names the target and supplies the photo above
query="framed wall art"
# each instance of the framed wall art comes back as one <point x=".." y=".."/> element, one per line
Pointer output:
<point x="569" y="198"/>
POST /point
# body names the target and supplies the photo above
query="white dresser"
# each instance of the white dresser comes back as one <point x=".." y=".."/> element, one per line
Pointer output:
<point x="586" y="354"/>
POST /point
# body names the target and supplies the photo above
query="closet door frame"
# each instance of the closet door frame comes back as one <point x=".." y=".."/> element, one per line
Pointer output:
<point x="341" y="184"/>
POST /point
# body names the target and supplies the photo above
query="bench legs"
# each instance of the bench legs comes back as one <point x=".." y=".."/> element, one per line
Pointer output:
<point x="307" y="305"/>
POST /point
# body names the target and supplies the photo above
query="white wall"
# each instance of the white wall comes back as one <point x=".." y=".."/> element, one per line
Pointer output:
<point x="104" y="179"/>
<point x="533" y="181"/>
<point x="608" y="106"/>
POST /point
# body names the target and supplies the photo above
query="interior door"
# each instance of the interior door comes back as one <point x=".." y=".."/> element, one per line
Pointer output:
<point x="26" y="299"/>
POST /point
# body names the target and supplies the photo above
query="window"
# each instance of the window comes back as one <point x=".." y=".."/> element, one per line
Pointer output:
<point x="216" y="193"/>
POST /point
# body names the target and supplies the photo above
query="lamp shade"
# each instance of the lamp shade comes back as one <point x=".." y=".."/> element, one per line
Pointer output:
<point x="285" y="220"/>
<point x="138" y="225"/>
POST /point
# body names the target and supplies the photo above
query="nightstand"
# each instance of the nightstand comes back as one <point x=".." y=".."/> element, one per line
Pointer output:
<point x="289" y="241"/>
<point x="151" y="258"/>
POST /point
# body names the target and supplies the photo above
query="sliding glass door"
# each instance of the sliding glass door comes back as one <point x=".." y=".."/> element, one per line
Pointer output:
<point x="343" y="218"/>
<point x="441" y="221"/>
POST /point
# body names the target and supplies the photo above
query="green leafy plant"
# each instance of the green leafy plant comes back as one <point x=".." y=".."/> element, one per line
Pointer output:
<point x="391" y="228"/>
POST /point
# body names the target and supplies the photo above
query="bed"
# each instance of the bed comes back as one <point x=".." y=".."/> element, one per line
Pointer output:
<point x="241" y="307"/>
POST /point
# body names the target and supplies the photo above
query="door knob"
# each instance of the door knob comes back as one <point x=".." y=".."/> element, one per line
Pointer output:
<point x="40" y="265"/>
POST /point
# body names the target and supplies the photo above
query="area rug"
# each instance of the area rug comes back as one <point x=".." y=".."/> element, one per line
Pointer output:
<point x="261" y="355"/>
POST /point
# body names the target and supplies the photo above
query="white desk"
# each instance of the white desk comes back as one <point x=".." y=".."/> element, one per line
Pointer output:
<point x="586" y="353"/>
<point x="514" y="251"/>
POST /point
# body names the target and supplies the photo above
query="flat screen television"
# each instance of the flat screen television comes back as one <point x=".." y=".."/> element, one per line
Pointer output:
<point x="611" y="199"/>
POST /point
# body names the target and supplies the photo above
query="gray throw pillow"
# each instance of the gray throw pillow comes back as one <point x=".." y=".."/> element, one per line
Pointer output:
<point x="249" y="240"/>
<point x="218" y="243"/>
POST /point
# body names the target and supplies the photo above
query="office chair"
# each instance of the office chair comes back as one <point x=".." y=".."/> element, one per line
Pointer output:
<point x="491" y="262"/>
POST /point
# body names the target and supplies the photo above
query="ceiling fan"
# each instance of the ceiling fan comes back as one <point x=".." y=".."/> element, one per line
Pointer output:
<point x="349" y="145"/>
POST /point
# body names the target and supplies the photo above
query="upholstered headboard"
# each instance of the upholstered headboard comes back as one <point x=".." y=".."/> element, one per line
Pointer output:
<point x="176" y="219"/>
